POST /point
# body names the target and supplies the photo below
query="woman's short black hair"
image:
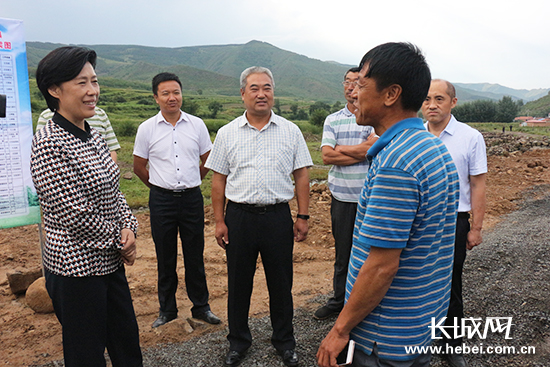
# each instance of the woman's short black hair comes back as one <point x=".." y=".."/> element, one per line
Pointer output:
<point x="59" y="66"/>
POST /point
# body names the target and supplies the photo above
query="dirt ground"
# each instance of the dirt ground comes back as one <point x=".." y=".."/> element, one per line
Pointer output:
<point x="28" y="338"/>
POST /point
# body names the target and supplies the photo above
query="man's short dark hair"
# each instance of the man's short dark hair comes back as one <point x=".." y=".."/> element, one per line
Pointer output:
<point x="59" y="66"/>
<point x="354" y="69"/>
<point x="164" y="77"/>
<point x="403" y="64"/>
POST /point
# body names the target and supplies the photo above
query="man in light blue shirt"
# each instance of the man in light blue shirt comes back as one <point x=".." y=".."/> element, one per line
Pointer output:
<point x="344" y="145"/>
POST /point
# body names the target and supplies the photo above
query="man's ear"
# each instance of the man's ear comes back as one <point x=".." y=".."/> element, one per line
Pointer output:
<point x="392" y="94"/>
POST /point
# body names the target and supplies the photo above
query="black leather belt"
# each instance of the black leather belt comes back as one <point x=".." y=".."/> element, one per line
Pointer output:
<point x="259" y="208"/>
<point x="464" y="215"/>
<point x="174" y="192"/>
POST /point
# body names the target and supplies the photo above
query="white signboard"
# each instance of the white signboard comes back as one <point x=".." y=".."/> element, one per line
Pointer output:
<point x="18" y="201"/>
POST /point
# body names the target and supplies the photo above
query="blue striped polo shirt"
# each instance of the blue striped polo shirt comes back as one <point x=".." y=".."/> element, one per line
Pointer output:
<point x="409" y="201"/>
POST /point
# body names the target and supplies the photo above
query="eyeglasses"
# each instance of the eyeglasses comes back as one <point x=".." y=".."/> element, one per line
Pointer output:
<point x="346" y="83"/>
<point x="353" y="84"/>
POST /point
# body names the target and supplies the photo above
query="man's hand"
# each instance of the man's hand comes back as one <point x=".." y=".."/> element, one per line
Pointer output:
<point x="300" y="230"/>
<point x="222" y="234"/>
<point x="129" y="252"/>
<point x="474" y="238"/>
<point x="330" y="347"/>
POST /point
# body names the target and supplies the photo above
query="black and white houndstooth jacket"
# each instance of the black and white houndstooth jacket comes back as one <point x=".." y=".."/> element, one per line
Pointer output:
<point x="83" y="209"/>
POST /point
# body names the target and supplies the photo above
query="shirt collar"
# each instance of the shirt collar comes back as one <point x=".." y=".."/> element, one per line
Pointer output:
<point x="388" y="135"/>
<point x="72" y="128"/>
<point x="450" y="128"/>
<point x="244" y="120"/>
<point x="160" y="118"/>
<point x="347" y="112"/>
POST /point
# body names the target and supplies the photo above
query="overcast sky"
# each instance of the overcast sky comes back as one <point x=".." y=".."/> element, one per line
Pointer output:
<point x="469" y="41"/>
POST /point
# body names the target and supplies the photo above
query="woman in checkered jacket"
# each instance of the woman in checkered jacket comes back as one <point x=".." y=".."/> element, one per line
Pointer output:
<point x="90" y="229"/>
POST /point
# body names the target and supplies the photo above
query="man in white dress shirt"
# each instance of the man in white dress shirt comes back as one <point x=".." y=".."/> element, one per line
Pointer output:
<point x="467" y="148"/>
<point x="174" y="144"/>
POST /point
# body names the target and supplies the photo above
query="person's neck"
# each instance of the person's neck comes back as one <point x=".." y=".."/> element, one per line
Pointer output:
<point x="80" y="124"/>
<point x="351" y="107"/>
<point x="392" y="118"/>
<point x="171" y="118"/>
<point x="438" y="127"/>
<point x="258" y="121"/>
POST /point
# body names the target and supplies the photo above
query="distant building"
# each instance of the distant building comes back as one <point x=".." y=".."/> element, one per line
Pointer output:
<point x="536" y="122"/>
<point x="523" y="118"/>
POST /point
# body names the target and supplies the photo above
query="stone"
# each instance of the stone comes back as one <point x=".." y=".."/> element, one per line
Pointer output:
<point x="37" y="297"/>
<point x="128" y="176"/>
<point x="20" y="280"/>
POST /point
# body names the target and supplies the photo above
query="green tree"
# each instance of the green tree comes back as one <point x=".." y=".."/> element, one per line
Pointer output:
<point x="277" y="106"/>
<point x="190" y="106"/>
<point x="319" y="106"/>
<point x="507" y="110"/>
<point x="214" y="108"/>
<point x="294" y="110"/>
<point x="476" y="111"/>
<point x="318" y="117"/>
<point x="337" y="106"/>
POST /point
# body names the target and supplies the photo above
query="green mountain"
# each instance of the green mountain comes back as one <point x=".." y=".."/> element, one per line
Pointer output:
<point x="538" y="108"/>
<point x="497" y="91"/>
<point x="216" y="69"/>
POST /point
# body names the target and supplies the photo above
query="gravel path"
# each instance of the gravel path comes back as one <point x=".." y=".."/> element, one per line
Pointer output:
<point x="507" y="276"/>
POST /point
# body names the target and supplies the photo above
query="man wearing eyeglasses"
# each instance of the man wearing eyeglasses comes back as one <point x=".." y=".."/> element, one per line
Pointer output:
<point x="344" y="145"/>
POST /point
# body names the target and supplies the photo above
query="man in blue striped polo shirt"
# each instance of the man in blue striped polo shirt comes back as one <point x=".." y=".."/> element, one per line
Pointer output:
<point x="400" y="267"/>
<point x="344" y="145"/>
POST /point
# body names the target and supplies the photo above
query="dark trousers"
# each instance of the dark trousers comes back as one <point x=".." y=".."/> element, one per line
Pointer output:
<point x="96" y="313"/>
<point x="456" y="306"/>
<point x="170" y="213"/>
<point x="271" y="235"/>
<point x="343" y="220"/>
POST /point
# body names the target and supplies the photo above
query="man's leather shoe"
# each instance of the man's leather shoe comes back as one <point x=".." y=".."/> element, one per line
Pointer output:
<point x="234" y="358"/>
<point x="456" y="360"/>
<point x="208" y="317"/>
<point x="162" y="320"/>
<point x="290" y="358"/>
<point x="325" y="312"/>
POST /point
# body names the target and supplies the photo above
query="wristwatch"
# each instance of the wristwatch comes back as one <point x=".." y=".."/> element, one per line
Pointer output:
<point x="302" y="216"/>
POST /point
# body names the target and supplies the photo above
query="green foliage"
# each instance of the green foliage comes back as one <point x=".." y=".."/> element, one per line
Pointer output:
<point x="126" y="128"/>
<point x="190" y="106"/>
<point x="337" y="106"/>
<point x="504" y="110"/>
<point x="277" y="106"/>
<point x="318" y="117"/>
<point x="538" y="108"/>
<point x="319" y="106"/>
<point x="214" y="108"/>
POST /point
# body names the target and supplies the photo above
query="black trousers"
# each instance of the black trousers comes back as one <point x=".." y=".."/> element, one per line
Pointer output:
<point x="271" y="235"/>
<point x="456" y="306"/>
<point x="96" y="313"/>
<point x="343" y="220"/>
<point x="171" y="213"/>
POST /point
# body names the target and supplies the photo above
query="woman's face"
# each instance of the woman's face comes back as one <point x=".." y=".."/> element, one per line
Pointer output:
<point x="78" y="97"/>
